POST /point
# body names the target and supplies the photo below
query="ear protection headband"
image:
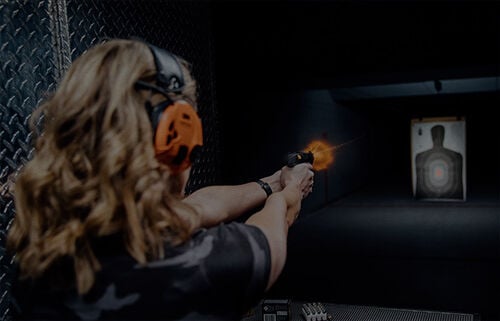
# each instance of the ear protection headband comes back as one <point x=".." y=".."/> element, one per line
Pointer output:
<point x="177" y="129"/>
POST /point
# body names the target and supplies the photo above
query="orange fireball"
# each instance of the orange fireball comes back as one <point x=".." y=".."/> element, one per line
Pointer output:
<point x="323" y="154"/>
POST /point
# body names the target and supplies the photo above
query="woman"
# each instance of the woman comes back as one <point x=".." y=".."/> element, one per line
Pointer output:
<point x="101" y="228"/>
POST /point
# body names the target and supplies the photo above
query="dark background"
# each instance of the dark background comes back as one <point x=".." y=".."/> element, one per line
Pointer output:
<point x="269" y="53"/>
<point x="291" y="71"/>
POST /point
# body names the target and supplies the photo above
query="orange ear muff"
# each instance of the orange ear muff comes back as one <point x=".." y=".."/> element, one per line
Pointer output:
<point x="179" y="136"/>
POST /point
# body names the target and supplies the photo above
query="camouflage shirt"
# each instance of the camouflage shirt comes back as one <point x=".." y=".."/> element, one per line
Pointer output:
<point x="218" y="275"/>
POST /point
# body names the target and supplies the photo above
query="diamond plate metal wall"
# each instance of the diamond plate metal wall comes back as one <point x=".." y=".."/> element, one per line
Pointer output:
<point x="27" y="74"/>
<point x="38" y="41"/>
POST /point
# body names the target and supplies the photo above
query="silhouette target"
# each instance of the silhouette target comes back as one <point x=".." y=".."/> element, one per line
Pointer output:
<point x="439" y="170"/>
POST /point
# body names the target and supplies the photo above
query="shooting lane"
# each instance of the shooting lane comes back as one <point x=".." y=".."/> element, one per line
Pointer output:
<point x="358" y="73"/>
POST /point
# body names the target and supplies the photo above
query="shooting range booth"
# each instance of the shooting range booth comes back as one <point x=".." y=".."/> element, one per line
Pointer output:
<point x="404" y="224"/>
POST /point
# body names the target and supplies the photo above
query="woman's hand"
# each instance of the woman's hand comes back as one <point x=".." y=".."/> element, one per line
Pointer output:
<point x="297" y="184"/>
<point x="301" y="174"/>
<point x="293" y="198"/>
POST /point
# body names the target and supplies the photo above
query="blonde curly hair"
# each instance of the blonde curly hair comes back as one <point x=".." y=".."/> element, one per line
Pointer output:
<point x="94" y="172"/>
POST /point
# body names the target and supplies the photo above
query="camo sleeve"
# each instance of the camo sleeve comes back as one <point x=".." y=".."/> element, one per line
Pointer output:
<point x="239" y="265"/>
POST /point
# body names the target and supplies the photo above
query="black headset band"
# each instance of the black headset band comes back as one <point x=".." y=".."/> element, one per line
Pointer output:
<point x="168" y="70"/>
<point x="169" y="73"/>
<point x="140" y="84"/>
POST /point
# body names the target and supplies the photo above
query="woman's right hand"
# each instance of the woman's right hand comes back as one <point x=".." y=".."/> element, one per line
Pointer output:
<point x="301" y="174"/>
<point x="293" y="198"/>
<point x="297" y="183"/>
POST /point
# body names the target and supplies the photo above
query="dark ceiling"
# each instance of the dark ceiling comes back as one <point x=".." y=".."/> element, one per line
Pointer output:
<point x="332" y="44"/>
<point x="380" y="59"/>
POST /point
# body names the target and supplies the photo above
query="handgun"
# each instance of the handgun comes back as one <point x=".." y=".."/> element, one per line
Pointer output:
<point x="295" y="158"/>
